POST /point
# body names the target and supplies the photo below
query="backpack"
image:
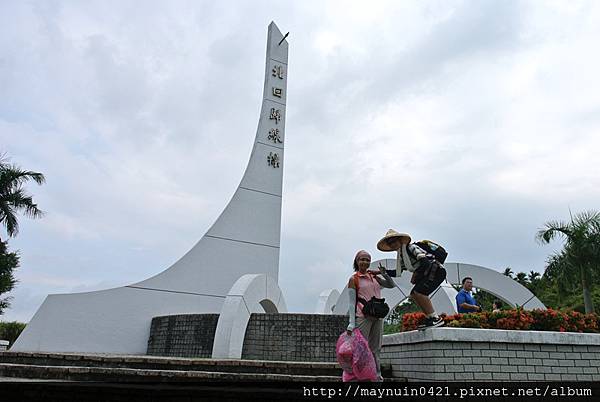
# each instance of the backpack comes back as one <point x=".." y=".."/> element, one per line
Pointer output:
<point x="375" y="307"/>
<point x="434" y="249"/>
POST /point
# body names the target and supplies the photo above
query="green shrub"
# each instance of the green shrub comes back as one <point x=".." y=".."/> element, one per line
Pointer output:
<point x="10" y="331"/>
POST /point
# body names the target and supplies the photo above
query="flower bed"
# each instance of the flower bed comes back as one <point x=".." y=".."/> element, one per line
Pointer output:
<point x="516" y="319"/>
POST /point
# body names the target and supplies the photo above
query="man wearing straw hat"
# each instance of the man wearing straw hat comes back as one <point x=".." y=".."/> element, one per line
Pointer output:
<point x="427" y="273"/>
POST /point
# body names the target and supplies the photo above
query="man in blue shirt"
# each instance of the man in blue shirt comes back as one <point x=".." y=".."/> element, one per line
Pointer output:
<point x="465" y="302"/>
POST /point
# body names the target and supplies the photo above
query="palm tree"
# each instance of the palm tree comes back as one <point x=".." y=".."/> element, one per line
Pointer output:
<point x="533" y="275"/>
<point x="8" y="263"/>
<point x="522" y="278"/>
<point x="561" y="273"/>
<point x="508" y="272"/>
<point x="534" y="279"/>
<point x="580" y="252"/>
<point x="13" y="198"/>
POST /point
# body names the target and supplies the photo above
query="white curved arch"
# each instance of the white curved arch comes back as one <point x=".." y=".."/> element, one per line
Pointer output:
<point x="327" y="300"/>
<point x="252" y="293"/>
<point x="444" y="298"/>
<point x="492" y="281"/>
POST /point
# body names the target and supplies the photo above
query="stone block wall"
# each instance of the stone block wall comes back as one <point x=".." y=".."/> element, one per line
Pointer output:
<point x="293" y="337"/>
<point x="277" y="336"/>
<point x="189" y="335"/>
<point x="461" y="354"/>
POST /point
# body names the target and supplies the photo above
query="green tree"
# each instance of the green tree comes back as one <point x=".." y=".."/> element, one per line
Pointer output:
<point x="521" y="277"/>
<point x="8" y="263"/>
<point x="393" y="322"/>
<point x="10" y="331"/>
<point x="533" y="276"/>
<point x="579" y="258"/>
<point x="533" y="282"/>
<point x="508" y="272"/>
<point x="561" y="275"/>
<point x="14" y="198"/>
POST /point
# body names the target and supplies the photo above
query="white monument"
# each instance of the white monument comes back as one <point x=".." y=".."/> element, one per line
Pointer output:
<point x="241" y="248"/>
<point x="232" y="271"/>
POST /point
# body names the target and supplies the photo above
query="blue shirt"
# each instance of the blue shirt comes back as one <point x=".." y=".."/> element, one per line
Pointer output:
<point x="464" y="297"/>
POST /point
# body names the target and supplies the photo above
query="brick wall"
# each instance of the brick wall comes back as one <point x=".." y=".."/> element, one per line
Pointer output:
<point x="293" y="337"/>
<point x="457" y="354"/>
<point x="189" y="335"/>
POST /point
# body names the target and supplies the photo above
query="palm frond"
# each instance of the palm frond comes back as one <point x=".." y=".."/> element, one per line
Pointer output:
<point x="21" y="201"/>
<point x="586" y="218"/>
<point x="552" y="230"/>
<point x="13" y="198"/>
<point x="8" y="218"/>
<point x="12" y="177"/>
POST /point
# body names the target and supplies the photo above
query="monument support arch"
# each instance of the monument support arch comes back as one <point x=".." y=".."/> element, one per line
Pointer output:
<point x="492" y="281"/>
<point x="251" y="293"/>
<point x="327" y="300"/>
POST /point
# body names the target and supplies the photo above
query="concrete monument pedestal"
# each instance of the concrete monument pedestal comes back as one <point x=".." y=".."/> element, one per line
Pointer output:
<point x="469" y="354"/>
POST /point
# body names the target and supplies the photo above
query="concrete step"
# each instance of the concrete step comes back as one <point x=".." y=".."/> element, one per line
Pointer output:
<point x="171" y="363"/>
<point x="140" y="368"/>
<point x="126" y="375"/>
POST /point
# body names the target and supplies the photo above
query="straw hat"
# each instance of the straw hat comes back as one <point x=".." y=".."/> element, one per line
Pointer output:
<point x="391" y="234"/>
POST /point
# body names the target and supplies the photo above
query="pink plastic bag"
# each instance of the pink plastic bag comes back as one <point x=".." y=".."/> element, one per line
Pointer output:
<point x="343" y="352"/>
<point x="355" y="357"/>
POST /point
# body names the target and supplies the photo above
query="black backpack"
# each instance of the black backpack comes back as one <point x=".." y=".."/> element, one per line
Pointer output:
<point x="434" y="249"/>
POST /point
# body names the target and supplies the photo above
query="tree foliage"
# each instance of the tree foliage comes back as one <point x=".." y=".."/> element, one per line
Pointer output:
<point x="579" y="259"/>
<point x="393" y="322"/>
<point x="14" y="198"/>
<point x="8" y="263"/>
<point x="10" y="331"/>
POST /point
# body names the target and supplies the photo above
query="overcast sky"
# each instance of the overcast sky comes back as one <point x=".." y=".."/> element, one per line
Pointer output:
<point x="466" y="122"/>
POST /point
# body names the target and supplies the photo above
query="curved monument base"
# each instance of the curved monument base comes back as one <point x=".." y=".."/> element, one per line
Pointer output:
<point x="107" y="321"/>
<point x="186" y="335"/>
<point x="293" y="337"/>
<point x="268" y="336"/>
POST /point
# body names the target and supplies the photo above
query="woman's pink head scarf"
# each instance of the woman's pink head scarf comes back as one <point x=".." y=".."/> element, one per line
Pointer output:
<point x="361" y="253"/>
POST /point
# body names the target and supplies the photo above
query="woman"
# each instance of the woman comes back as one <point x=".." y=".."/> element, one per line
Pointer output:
<point x="369" y="285"/>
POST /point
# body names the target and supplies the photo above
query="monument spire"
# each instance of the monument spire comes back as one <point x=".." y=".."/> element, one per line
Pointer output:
<point x="244" y="239"/>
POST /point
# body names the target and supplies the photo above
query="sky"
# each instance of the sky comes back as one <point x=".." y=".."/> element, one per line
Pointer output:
<point x="470" y="123"/>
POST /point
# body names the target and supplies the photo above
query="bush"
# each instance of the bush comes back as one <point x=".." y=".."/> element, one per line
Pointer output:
<point x="10" y="331"/>
<point x="515" y="319"/>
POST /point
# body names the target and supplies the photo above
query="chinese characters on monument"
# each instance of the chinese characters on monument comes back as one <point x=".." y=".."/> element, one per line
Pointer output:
<point x="273" y="160"/>
<point x="274" y="133"/>
<point x="274" y="136"/>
